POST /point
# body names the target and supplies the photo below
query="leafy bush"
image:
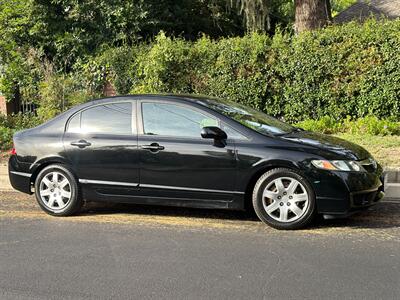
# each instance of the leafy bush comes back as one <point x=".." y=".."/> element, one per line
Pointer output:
<point x="369" y="125"/>
<point x="326" y="125"/>
<point x="6" y="138"/>
<point x="57" y="93"/>
<point x="347" y="70"/>
<point x="19" y="121"/>
<point x="11" y="124"/>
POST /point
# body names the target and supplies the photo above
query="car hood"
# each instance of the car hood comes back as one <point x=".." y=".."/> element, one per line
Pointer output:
<point x="329" y="143"/>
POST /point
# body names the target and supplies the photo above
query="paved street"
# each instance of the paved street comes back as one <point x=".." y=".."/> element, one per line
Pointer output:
<point x="127" y="251"/>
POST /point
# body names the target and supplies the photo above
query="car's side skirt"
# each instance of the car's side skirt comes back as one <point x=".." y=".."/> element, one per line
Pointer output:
<point x="132" y="194"/>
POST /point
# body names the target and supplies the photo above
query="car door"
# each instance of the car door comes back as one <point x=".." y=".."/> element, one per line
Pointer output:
<point x="101" y="145"/>
<point x="175" y="161"/>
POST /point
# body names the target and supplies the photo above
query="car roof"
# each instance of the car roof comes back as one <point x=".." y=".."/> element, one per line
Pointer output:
<point x="185" y="97"/>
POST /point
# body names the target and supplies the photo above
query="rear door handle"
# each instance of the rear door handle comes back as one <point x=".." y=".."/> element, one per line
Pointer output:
<point x="81" y="144"/>
<point x="154" y="147"/>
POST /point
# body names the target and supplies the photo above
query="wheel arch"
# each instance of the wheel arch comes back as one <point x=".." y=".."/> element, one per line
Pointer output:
<point x="259" y="171"/>
<point x="43" y="163"/>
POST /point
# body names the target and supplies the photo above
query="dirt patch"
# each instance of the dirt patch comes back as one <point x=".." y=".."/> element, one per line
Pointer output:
<point x="382" y="222"/>
<point x="4" y="156"/>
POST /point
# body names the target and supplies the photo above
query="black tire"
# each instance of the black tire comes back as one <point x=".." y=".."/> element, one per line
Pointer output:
<point x="75" y="202"/>
<point x="268" y="177"/>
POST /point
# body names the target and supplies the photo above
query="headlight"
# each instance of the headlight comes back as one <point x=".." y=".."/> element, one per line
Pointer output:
<point x="337" y="165"/>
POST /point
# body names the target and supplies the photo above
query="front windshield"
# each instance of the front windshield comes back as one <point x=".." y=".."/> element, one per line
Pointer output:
<point x="249" y="117"/>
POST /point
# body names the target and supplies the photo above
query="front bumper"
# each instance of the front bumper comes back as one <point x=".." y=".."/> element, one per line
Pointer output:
<point x="343" y="193"/>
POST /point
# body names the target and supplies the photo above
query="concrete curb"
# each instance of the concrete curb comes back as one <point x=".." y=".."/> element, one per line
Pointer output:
<point x="392" y="182"/>
<point x="4" y="182"/>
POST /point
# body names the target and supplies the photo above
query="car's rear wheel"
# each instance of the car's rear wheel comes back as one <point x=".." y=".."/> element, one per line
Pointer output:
<point x="283" y="199"/>
<point x="57" y="191"/>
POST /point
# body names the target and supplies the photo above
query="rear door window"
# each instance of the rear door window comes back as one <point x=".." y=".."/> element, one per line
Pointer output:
<point x="113" y="118"/>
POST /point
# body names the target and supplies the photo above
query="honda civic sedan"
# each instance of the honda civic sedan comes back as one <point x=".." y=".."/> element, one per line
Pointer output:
<point x="191" y="151"/>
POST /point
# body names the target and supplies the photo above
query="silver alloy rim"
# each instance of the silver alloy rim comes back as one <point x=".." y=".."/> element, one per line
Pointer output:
<point x="55" y="191"/>
<point x="285" y="199"/>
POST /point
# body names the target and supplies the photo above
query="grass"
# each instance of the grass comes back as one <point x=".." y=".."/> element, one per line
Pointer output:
<point x="385" y="149"/>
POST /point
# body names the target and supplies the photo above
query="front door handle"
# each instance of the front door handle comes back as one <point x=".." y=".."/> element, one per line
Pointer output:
<point x="81" y="144"/>
<point x="153" y="147"/>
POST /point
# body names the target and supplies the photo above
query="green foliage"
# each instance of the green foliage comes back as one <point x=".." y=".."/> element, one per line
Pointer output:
<point x="11" y="124"/>
<point x="69" y="33"/>
<point x="14" y="24"/>
<point x="115" y="65"/>
<point x="6" y="138"/>
<point x="58" y="93"/>
<point x="19" y="121"/>
<point x="369" y="125"/>
<point x="340" y="5"/>
<point x="66" y="30"/>
<point x="350" y="70"/>
<point x="326" y="125"/>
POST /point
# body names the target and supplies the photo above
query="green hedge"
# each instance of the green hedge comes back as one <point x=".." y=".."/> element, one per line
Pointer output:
<point x="349" y="70"/>
<point x="6" y="138"/>
<point x="369" y="125"/>
<point x="11" y="124"/>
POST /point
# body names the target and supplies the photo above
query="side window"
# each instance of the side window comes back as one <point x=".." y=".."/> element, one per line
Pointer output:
<point x="113" y="118"/>
<point x="174" y="120"/>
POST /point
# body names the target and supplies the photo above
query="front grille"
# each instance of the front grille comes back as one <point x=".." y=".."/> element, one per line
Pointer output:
<point x="364" y="199"/>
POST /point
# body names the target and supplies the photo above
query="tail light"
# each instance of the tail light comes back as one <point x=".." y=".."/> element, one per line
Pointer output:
<point x="13" y="151"/>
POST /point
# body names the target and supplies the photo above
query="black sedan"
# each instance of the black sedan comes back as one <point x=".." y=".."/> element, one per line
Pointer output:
<point x="191" y="151"/>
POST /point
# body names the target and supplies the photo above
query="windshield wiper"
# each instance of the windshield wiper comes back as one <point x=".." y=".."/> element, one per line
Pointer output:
<point x="295" y="129"/>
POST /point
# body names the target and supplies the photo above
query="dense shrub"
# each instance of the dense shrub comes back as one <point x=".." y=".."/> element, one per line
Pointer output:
<point x="19" y="121"/>
<point x="11" y="124"/>
<point x="6" y="138"/>
<point x="326" y="125"/>
<point x="343" y="70"/>
<point x="347" y="72"/>
<point x="371" y="125"/>
<point x="368" y="125"/>
<point x="58" y="93"/>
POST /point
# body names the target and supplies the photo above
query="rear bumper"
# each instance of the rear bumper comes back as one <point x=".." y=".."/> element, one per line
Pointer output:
<point x="19" y="178"/>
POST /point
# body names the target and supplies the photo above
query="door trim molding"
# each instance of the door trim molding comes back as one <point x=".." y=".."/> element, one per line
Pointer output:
<point x="153" y="186"/>
<point x="168" y="187"/>
<point x="89" y="181"/>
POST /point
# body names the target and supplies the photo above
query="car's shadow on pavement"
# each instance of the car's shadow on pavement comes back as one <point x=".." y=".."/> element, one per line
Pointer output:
<point x="94" y="208"/>
<point x="383" y="215"/>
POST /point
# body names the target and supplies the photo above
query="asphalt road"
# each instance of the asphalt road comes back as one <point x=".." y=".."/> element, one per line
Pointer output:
<point x="138" y="252"/>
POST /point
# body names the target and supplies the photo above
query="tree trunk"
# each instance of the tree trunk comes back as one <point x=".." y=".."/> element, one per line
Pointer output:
<point x="311" y="14"/>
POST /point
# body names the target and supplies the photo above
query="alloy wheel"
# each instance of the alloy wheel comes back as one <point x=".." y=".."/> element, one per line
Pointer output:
<point x="285" y="199"/>
<point x="55" y="190"/>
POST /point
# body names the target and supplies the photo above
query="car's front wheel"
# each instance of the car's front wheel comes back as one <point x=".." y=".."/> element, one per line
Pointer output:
<point x="283" y="199"/>
<point x="57" y="191"/>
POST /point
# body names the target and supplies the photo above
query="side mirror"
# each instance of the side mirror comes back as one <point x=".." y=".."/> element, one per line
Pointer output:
<point x="213" y="132"/>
